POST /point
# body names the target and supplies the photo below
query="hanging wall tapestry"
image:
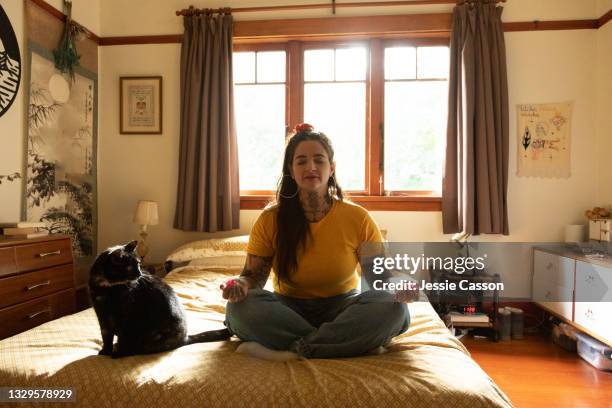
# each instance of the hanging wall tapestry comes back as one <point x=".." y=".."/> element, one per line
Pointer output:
<point x="544" y="140"/>
<point x="10" y="63"/>
<point x="61" y="151"/>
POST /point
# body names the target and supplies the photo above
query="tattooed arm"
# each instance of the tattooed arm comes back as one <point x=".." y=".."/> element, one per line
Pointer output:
<point x="256" y="271"/>
<point x="254" y="276"/>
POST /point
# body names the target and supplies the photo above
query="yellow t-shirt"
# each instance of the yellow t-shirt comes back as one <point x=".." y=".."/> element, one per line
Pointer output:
<point x="327" y="266"/>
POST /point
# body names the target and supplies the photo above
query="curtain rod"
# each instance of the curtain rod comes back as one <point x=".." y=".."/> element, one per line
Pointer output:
<point x="333" y="5"/>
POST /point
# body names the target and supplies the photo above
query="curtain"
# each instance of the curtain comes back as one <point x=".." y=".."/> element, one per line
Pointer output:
<point x="208" y="196"/>
<point x="475" y="184"/>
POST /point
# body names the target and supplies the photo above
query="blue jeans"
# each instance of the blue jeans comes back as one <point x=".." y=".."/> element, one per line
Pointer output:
<point x="340" y="326"/>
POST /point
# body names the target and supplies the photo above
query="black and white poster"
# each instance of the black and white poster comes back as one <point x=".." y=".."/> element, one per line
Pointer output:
<point x="61" y="153"/>
<point x="10" y="63"/>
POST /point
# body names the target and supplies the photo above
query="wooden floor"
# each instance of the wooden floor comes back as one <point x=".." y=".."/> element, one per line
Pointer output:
<point x="536" y="373"/>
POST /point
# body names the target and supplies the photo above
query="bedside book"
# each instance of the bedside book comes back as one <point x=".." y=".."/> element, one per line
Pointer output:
<point x="22" y="224"/>
<point x="23" y="232"/>
<point x="460" y="318"/>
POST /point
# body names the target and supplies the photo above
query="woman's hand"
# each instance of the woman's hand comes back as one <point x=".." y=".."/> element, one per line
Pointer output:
<point x="406" y="295"/>
<point x="235" y="290"/>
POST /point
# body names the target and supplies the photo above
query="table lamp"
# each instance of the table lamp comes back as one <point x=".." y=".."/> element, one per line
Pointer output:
<point x="145" y="215"/>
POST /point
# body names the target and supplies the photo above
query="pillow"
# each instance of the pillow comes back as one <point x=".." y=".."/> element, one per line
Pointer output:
<point x="217" y="247"/>
<point x="220" y="262"/>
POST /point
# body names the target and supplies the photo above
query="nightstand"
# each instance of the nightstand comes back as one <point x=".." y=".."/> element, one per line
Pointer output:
<point x="448" y="300"/>
<point x="37" y="282"/>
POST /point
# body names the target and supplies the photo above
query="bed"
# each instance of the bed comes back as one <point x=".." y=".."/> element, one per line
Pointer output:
<point x="425" y="367"/>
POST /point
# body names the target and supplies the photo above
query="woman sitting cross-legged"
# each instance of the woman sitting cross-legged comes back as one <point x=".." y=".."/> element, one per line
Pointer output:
<point x="312" y="240"/>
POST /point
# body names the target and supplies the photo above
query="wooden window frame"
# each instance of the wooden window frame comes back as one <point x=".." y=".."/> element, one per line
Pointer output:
<point x="371" y="198"/>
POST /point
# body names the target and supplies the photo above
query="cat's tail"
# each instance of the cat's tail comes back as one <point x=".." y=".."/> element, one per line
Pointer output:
<point x="207" y="336"/>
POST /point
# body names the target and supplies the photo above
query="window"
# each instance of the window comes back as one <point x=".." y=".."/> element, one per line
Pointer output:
<point x="416" y="89"/>
<point x="259" y="106"/>
<point x="334" y="101"/>
<point x="383" y="104"/>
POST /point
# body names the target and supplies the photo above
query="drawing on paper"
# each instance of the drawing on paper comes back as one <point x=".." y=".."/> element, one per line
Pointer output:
<point x="544" y="140"/>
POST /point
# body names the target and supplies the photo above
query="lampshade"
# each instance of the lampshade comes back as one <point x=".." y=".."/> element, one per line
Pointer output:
<point x="146" y="213"/>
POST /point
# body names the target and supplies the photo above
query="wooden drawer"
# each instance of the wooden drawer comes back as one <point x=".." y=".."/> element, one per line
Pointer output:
<point x="43" y="254"/>
<point x="18" y="318"/>
<point x="594" y="317"/>
<point x="594" y="300"/>
<point x="7" y="261"/>
<point x="557" y="299"/>
<point x="555" y="269"/>
<point x="26" y="286"/>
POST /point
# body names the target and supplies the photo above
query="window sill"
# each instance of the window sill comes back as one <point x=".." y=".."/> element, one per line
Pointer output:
<point x="371" y="203"/>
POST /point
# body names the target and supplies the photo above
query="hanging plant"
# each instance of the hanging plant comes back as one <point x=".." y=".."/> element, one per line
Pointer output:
<point x="66" y="56"/>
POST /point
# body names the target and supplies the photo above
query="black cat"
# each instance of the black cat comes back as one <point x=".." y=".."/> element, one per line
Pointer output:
<point x="140" y="309"/>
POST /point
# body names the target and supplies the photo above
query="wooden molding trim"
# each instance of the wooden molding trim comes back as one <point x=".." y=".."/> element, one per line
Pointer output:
<point x="604" y="19"/>
<point x="62" y="17"/>
<point x="142" y="39"/>
<point x="411" y="25"/>
<point x="395" y="26"/>
<point x="342" y="26"/>
<point x="551" y="25"/>
<point x="333" y="6"/>
<point x="372" y="203"/>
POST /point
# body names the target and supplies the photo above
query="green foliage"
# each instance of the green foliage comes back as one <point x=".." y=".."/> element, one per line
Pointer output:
<point x="41" y="183"/>
<point x="66" y="56"/>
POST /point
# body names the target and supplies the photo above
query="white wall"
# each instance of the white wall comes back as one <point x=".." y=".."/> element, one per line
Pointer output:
<point x="13" y="122"/>
<point x="604" y="108"/>
<point x="160" y="17"/>
<point x="603" y="6"/>
<point x="134" y="167"/>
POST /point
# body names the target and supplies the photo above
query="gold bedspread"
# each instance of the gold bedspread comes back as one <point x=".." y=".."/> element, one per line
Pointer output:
<point x="426" y="366"/>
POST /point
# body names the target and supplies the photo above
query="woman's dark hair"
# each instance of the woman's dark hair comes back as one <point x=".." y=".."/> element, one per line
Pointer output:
<point x="292" y="225"/>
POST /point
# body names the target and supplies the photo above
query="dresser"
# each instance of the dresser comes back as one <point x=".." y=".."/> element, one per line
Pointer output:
<point x="37" y="282"/>
<point x="576" y="289"/>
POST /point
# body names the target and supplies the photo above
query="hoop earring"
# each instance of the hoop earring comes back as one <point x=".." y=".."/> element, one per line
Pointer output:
<point x="335" y="185"/>
<point x="333" y="176"/>
<point x="297" y="189"/>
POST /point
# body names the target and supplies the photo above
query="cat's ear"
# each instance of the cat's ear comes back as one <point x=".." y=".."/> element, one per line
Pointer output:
<point x="131" y="246"/>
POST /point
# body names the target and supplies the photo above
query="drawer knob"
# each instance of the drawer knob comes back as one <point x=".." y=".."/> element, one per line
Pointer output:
<point x="549" y="266"/>
<point x="33" y="315"/>
<point x="45" y="254"/>
<point x="32" y="287"/>
<point x="548" y="294"/>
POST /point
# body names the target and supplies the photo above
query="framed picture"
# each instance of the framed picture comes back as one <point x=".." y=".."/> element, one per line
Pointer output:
<point x="60" y="182"/>
<point x="140" y="105"/>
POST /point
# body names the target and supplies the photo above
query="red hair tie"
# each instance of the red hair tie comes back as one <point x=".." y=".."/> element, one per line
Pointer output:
<point x="303" y="127"/>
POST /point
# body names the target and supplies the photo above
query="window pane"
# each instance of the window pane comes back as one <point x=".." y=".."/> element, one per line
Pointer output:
<point x="338" y="110"/>
<point x="400" y="63"/>
<point x="244" y="67"/>
<point x="271" y="66"/>
<point x="415" y="128"/>
<point x="351" y="64"/>
<point x="433" y="62"/>
<point x="319" y="65"/>
<point x="260" y="123"/>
